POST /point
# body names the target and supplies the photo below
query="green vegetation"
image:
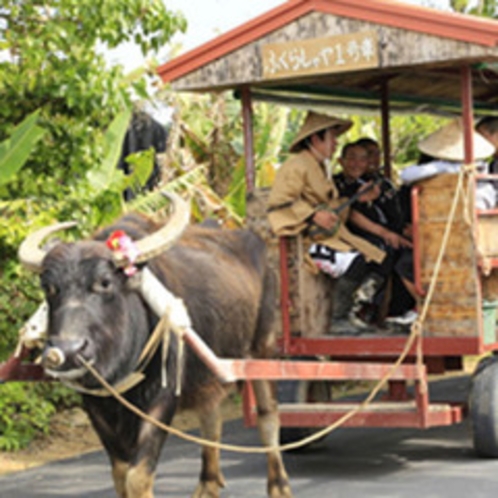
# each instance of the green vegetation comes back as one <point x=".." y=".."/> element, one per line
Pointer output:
<point x="62" y="121"/>
<point x="484" y="8"/>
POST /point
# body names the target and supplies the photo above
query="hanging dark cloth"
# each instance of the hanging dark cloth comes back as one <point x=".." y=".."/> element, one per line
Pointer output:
<point x="143" y="133"/>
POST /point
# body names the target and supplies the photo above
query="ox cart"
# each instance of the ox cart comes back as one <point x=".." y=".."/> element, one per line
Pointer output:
<point x="382" y="58"/>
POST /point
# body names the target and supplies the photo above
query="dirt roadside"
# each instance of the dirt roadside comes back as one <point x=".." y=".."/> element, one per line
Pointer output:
<point x="71" y="434"/>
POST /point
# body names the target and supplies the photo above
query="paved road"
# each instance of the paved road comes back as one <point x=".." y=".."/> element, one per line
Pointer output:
<point x="350" y="463"/>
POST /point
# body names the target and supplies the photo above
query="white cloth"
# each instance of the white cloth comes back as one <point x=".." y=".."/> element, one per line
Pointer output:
<point x="417" y="172"/>
<point x="485" y="195"/>
<point x="485" y="192"/>
<point x="336" y="267"/>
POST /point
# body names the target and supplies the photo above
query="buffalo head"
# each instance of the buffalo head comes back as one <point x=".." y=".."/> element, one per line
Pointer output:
<point x="92" y="311"/>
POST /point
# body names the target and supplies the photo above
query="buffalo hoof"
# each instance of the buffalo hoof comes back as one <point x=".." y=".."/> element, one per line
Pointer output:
<point x="280" y="491"/>
<point x="209" y="489"/>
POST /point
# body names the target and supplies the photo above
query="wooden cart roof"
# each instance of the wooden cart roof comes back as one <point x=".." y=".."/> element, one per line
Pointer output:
<point x="419" y="51"/>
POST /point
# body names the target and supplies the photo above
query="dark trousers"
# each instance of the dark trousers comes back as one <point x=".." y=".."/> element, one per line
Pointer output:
<point x="346" y="286"/>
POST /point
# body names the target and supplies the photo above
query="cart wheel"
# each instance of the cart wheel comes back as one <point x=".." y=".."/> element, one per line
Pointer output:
<point x="301" y="391"/>
<point x="484" y="408"/>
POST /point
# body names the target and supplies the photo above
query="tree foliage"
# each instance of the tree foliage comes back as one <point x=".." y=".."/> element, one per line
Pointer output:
<point x="52" y="64"/>
<point x="484" y="8"/>
<point x="53" y="69"/>
<point x="207" y="135"/>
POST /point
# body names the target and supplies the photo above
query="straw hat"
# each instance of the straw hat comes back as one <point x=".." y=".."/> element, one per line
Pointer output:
<point x="314" y="123"/>
<point x="447" y="143"/>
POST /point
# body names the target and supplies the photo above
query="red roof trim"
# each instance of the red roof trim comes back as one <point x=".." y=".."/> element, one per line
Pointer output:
<point x="233" y="39"/>
<point x="452" y="25"/>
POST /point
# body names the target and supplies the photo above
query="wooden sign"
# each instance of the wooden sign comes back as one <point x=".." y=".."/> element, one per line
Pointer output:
<point x="321" y="55"/>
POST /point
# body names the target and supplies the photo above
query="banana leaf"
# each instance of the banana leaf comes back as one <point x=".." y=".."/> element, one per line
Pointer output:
<point x="15" y="150"/>
<point x="106" y="176"/>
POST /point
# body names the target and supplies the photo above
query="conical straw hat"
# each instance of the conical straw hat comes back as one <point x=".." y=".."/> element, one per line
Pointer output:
<point x="314" y="123"/>
<point x="448" y="143"/>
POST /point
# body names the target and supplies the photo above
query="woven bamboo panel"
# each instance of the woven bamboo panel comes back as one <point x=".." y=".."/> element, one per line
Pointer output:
<point x="257" y="221"/>
<point x="438" y="197"/>
<point x="454" y="308"/>
<point x="457" y="253"/>
<point x="310" y="296"/>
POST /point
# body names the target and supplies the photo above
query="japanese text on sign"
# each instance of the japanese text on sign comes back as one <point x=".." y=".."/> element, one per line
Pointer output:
<point x="320" y="55"/>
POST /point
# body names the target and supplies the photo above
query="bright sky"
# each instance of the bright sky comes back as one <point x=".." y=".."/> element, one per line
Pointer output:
<point x="209" y="18"/>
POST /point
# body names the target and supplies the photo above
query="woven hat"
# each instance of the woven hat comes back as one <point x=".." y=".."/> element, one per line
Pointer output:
<point x="314" y="123"/>
<point x="448" y="143"/>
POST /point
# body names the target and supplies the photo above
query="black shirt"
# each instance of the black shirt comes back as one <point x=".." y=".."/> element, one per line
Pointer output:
<point x="385" y="210"/>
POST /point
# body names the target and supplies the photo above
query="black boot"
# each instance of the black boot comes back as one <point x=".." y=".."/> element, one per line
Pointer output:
<point x="344" y="292"/>
<point x="369" y="288"/>
<point x="364" y="298"/>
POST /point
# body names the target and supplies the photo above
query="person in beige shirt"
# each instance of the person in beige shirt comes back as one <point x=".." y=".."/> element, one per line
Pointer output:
<point x="302" y="200"/>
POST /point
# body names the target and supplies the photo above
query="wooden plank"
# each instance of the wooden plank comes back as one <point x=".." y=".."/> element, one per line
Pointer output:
<point x="490" y="286"/>
<point x="332" y="370"/>
<point x="335" y="407"/>
<point x="320" y="55"/>
<point x="399" y="48"/>
<point x="437" y="415"/>
<point x="487" y="228"/>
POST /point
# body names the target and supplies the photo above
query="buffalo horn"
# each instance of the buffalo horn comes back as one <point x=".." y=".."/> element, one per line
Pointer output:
<point x="30" y="254"/>
<point x="162" y="239"/>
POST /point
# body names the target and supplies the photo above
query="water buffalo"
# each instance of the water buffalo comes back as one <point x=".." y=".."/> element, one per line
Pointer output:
<point x="93" y="313"/>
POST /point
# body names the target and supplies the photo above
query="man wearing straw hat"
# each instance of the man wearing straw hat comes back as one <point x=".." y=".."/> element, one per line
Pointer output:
<point x="302" y="201"/>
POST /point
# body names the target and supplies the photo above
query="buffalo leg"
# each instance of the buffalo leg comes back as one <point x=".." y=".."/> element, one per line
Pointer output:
<point x="211" y="479"/>
<point x="119" y="471"/>
<point x="269" y="430"/>
<point x="140" y="481"/>
<point x="132" y="482"/>
<point x="141" y="473"/>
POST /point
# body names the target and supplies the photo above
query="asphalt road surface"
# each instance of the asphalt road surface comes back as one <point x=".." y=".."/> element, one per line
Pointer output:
<point x="350" y="463"/>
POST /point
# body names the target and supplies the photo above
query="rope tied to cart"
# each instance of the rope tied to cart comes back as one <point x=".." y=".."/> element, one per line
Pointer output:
<point x="416" y="333"/>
